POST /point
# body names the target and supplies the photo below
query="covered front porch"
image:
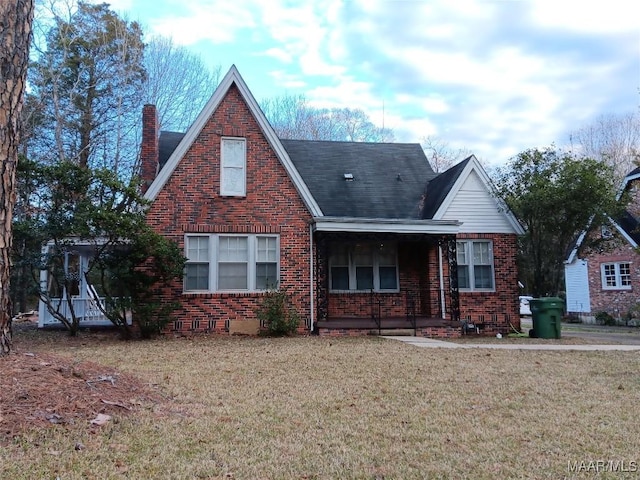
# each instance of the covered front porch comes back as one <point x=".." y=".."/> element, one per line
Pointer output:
<point x="69" y="289"/>
<point x="398" y="277"/>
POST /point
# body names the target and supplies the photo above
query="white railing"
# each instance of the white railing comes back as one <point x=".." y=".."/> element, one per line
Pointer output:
<point x="86" y="309"/>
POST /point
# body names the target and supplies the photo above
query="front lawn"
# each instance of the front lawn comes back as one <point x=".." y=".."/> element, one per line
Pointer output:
<point x="248" y="408"/>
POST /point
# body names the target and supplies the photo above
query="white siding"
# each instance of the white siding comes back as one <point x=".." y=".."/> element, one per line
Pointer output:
<point x="577" y="285"/>
<point x="477" y="209"/>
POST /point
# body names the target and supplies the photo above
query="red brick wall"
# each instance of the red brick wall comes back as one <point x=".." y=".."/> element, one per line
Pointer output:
<point x="190" y="202"/>
<point x="615" y="302"/>
<point x="149" y="148"/>
<point x="500" y="309"/>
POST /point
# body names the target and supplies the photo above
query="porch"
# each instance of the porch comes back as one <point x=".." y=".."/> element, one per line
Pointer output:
<point x="374" y="313"/>
<point x="86" y="310"/>
<point x="70" y="289"/>
<point x="410" y="280"/>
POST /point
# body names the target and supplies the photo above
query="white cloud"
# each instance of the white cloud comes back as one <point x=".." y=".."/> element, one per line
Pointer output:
<point x="218" y="22"/>
<point x="288" y="81"/>
<point x="492" y="76"/>
<point x="279" y="54"/>
<point x="588" y="16"/>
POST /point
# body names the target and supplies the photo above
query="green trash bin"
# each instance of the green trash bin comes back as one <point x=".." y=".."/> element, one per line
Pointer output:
<point x="546" y="314"/>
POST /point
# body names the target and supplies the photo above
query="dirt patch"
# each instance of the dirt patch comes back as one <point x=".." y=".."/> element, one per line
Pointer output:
<point x="42" y="389"/>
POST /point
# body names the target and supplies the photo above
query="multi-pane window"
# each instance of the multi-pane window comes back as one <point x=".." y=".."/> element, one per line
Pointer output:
<point x="197" y="267"/>
<point x="362" y="267"/>
<point x="616" y="275"/>
<point x="340" y="268"/>
<point x="266" y="262"/>
<point x="475" y="265"/>
<point x="231" y="262"/>
<point x="233" y="165"/>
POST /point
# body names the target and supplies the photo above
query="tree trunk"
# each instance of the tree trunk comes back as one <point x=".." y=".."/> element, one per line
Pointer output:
<point x="16" y="17"/>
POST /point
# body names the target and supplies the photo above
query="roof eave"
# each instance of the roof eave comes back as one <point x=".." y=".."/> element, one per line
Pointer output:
<point x="385" y="225"/>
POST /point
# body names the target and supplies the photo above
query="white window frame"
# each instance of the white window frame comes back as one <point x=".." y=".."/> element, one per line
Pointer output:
<point x="198" y="261"/>
<point x="252" y="260"/>
<point x="468" y="250"/>
<point x="376" y="271"/>
<point x="227" y="189"/>
<point x="618" y="276"/>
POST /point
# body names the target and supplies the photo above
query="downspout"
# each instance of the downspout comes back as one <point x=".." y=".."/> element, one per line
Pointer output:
<point x="443" y="303"/>
<point x="311" y="272"/>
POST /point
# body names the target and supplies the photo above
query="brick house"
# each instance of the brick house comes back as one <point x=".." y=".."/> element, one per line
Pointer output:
<point x="363" y="236"/>
<point x="602" y="271"/>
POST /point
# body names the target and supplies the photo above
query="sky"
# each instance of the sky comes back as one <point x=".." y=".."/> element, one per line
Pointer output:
<point x="492" y="77"/>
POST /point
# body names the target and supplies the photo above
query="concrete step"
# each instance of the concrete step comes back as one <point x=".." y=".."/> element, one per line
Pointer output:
<point x="394" y="332"/>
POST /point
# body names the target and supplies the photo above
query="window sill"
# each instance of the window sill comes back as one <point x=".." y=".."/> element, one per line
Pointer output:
<point x="228" y="293"/>
<point x="359" y="292"/>
<point x="477" y="290"/>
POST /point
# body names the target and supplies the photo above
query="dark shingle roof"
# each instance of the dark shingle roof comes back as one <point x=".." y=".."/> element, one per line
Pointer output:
<point x="630" y="225"/>
<point x="388" y="178"/>
<point x="439" y="187"/>
<point x="167" y="143"/>
<point x="633" y="172"/>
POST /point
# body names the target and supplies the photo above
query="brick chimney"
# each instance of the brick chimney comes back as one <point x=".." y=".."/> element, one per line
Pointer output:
<point x="149" y="151"/>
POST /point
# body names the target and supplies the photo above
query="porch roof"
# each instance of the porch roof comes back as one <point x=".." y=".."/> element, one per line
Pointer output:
<point x="385" y="225"/>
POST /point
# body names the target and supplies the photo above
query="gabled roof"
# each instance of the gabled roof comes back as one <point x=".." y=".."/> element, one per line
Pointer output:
<point x="443" y="193"/>
<point x="363" y="180"/>
<point x="232" y="78"/>
<point x="629" y="178"/>
<point x="629" y="227"/>
<point x="348" y="186"/>
<point x="439" y="187"/>
<point x="167" y="143"/>
<point x="625" y="223"/>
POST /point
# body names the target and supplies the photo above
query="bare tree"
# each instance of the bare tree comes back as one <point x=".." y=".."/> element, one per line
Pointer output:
<point x="16" y="18"/>
<point x="178" y="83"/>
<point x="613" y="139"/>
<point x="354" y="125"/>
<point x="293" y="118"/>
<point x="440" y="155"/>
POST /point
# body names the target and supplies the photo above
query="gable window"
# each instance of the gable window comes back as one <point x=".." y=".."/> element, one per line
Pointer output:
<point x="475" y="265"/>
<point x="233" y="167"/>
<point x="231" y="263"/>
<point x="605" y="232"/>
<point x="363" y="267"/>
<point x="616" y="276"/>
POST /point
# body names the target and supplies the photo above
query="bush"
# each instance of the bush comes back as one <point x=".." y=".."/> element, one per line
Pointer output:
<point x="278" y="314"/>
<point x="603" y="318"/>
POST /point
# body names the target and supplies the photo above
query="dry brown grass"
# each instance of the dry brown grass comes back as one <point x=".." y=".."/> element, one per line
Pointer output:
<point x="343" y="408"/>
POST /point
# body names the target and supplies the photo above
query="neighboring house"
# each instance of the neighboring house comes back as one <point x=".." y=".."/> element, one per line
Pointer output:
<point x="362" y="236"/>
<point x="602" y="271"/>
